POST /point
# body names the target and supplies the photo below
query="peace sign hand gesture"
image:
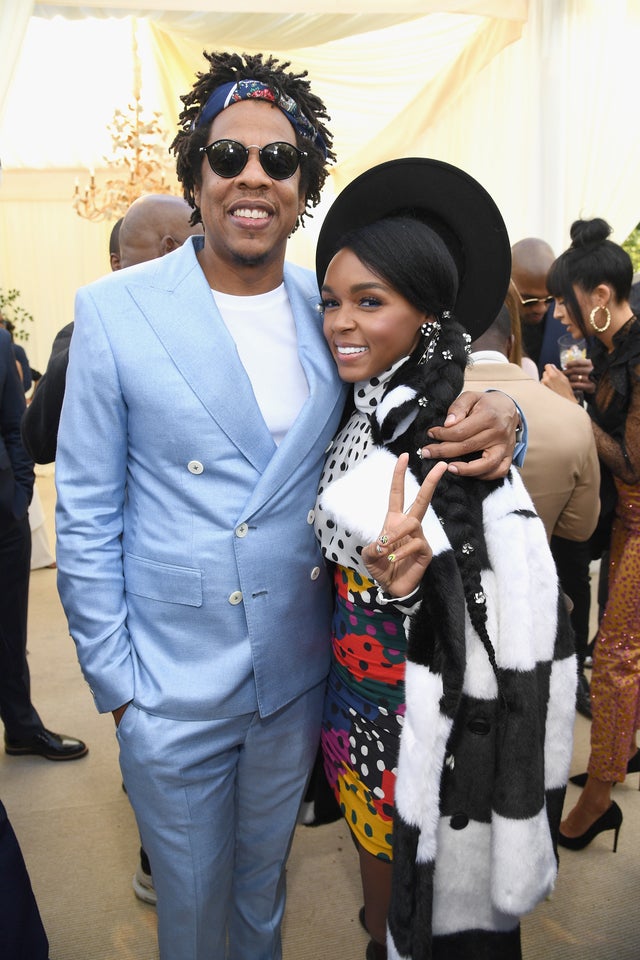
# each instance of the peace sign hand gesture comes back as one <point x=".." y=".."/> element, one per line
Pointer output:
<point x="401" y="554"/>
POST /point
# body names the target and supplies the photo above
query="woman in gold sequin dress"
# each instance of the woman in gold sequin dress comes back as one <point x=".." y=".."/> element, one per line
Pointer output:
<point x="591" y="282"/>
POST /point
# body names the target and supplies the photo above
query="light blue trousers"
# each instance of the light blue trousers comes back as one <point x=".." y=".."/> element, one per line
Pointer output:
<point x="216" y="804"/>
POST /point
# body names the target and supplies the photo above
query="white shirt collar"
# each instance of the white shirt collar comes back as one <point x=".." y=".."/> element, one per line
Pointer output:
<point x="488" y="356"/>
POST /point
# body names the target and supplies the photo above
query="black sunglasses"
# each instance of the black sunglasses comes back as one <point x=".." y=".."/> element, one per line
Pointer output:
<point x="228" y="158"/>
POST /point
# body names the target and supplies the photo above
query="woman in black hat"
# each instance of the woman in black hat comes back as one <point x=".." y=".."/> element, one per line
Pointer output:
<point x="449" y="711"/>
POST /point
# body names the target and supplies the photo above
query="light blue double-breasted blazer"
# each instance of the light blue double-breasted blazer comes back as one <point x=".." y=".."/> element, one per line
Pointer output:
<point x="187" y="562"/>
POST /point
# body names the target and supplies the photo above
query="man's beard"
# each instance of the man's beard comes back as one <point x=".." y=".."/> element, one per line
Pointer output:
<point x="243" y="260"/>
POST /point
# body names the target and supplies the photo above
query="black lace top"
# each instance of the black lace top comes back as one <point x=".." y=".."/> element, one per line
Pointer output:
<point x="616" y="405"/>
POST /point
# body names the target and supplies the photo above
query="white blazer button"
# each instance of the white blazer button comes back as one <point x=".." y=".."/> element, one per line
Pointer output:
<point x="315" y="573"/>
<point x="242" y="530"/>
<point x="235" y="597"/>
<point x="194" y="466"/>
<point x="311" y="516"/>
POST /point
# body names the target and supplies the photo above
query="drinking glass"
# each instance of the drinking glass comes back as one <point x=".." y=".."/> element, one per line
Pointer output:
<point x="571" y="349"/>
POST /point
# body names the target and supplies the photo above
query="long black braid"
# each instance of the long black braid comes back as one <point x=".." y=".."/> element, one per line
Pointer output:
<point x="436" y="371"/>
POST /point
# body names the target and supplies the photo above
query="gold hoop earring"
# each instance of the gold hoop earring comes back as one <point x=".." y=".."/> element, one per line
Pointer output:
<point x="593" y="322"/>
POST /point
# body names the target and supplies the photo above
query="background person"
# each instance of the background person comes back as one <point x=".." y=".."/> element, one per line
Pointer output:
<point x="561" y="470"/>
<point x="20" y="354"/>
<point x="114" y="245"/>
<point x="516" y="352"/>
<point x="24" y="731"/>
<point x="591" y="282"/>
<point x="156" y="224"/>
<point x="21" y="931"/>
<point x="531" y="260"/>
<point x="39" y="426"/>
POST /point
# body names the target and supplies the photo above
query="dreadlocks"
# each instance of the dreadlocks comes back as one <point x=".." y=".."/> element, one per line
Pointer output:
<point x="231" y="67"/>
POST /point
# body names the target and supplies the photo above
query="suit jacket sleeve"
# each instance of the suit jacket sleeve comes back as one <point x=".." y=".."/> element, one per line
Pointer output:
<point x="580" y="514"/>
<point x="91" y="465"/>
<point x="16" y="469"/>
<point x="23" y="360"/>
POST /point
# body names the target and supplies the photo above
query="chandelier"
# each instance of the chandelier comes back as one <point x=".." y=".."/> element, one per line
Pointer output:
<point x="140" y="159"/>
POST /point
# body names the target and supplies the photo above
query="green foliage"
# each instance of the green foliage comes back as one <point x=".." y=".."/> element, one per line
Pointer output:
<point x="632" y="246"/>
<point x="15" y="313"/>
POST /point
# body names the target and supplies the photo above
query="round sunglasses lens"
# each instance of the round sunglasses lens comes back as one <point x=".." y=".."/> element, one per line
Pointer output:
<point x="279" y="160"/>
<point x="227" y="158"/>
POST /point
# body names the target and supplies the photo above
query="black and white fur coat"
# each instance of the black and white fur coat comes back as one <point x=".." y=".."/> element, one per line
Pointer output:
<point x="485" y="749"/>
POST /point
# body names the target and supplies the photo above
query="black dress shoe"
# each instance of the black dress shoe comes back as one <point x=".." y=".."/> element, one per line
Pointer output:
<point x="583" y="697"/>
<point x="51" y="746"/>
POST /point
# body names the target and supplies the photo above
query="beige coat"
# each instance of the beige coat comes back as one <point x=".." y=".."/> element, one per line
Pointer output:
<point x="561" y="470"/>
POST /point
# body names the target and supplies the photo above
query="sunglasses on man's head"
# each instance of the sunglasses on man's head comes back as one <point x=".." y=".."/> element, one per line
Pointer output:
<point x="228" y="158"/>
<point x="531" y="301"/>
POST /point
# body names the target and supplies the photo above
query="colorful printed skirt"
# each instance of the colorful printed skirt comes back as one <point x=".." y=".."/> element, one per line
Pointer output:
<point x="364" y="710"/>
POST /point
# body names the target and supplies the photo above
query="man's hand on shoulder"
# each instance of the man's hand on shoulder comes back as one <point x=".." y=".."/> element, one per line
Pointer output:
<point x="485" y="422"/>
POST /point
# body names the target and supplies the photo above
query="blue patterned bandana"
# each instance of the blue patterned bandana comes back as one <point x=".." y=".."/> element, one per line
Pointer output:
<point x="229" y="93"/>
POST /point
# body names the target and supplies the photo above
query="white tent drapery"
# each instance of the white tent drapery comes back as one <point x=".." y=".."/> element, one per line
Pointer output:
<point x="525" y="96"/>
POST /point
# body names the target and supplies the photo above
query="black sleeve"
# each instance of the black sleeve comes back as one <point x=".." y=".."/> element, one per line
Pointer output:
<point x="16" y="468"/>
<point x="42" y="417"/>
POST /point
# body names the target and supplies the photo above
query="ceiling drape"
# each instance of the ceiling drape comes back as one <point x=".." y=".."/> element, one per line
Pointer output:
<point x="14" y="20"/>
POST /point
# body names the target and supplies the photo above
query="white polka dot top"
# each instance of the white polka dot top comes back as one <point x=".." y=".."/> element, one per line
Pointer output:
<point x="350" y="445"/>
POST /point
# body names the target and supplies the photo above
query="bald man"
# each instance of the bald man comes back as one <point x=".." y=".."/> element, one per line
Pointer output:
<point x="531" y="259"/>
<point x="530" y="262"/>
<point x="561" y="470"/>
<point x="154" y="225"/>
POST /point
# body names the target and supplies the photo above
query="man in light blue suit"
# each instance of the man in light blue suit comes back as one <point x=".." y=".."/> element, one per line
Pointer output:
<point x="200" y="403"/>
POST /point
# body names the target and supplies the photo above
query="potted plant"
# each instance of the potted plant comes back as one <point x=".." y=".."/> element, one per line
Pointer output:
<point x="13" y="315"/>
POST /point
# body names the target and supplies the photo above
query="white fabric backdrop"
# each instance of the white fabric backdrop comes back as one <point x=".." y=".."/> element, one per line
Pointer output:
<point x="534" y="99"/>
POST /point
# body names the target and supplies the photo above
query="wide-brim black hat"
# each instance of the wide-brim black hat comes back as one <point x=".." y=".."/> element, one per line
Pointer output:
<point x="453" y="204"/>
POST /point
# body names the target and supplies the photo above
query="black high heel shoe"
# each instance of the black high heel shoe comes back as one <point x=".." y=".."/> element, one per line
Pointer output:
<point x="611" y="819"/>
<point x="579" y="779"/>
<point x="634" y="763"/>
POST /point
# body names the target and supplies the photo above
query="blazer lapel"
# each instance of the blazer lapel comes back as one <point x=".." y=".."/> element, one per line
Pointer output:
<point x="178" y="305"/>
<point x="176" y="302"/>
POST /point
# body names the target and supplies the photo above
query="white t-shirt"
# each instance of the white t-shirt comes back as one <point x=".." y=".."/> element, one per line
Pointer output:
<point x="265" y="335"/>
